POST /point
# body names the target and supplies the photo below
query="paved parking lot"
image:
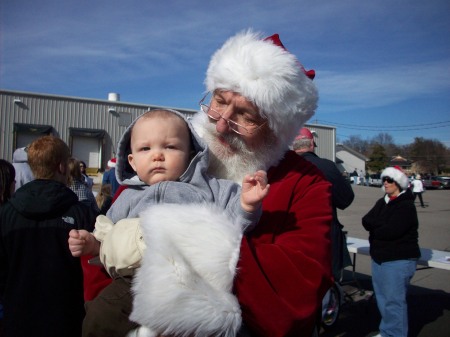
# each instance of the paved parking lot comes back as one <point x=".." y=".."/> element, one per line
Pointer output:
<point x="429" y="298"/>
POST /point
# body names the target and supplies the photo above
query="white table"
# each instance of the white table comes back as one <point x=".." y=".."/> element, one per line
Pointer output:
<point x="431" y="258"/>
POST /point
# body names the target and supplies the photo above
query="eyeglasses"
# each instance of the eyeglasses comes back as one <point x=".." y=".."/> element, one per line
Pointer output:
<point x="388" y="179"/>
<point x="244" y="126"/>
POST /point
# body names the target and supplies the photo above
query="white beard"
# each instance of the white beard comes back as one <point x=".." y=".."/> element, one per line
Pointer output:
<point x="235" y="164"/>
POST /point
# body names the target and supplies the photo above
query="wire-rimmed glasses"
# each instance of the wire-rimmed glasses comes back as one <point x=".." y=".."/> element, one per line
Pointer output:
<point x="239" y="128"/>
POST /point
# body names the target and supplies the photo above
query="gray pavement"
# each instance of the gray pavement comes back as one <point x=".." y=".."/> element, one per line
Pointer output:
<point x="429" y="297"/>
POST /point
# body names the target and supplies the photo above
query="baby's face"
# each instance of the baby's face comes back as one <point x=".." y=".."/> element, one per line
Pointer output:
<point x="160" y="149"/>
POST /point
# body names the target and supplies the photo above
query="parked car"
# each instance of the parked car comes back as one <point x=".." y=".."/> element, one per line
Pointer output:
<point x="432" y="182"/>
<point x="445" y="182"/>
<point x="375" y="179"/>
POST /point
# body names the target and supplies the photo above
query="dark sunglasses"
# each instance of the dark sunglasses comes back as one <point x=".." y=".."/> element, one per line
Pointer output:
<point x="388" y="179"/>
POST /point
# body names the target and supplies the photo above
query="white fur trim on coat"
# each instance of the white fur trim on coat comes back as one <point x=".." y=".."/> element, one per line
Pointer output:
<point x="184" y="284"/>
<point x="270" y="77"/>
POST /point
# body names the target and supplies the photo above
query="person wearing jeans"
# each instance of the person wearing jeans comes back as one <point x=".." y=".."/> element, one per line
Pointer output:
<point x="390" y="281"/>
<point x="393" y="236"/>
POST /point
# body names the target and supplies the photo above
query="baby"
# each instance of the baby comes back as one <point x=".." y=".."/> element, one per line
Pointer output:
<point x="162" y="160"/>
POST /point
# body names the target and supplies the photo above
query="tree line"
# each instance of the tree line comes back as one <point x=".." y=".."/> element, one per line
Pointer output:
<point x="427" y="155"/>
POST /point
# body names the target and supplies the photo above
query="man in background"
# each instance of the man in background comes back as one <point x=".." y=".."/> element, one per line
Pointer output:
<point x="342" y="196"/>
<point x="41" y="281"/>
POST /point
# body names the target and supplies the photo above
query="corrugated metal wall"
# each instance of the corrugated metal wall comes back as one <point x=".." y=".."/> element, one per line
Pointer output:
<point x="325" y="140"/>
<point x="62" y="113"/>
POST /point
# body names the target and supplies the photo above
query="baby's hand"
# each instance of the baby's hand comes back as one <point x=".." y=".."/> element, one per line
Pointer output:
<point x="81" y="242"/>
<point x="254" y="190"/>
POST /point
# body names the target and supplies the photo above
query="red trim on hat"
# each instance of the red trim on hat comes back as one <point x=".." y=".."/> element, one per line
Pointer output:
<point x="275" y="38"/>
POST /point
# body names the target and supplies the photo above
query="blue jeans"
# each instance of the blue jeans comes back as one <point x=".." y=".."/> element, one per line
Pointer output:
<point x="390" y="282"/>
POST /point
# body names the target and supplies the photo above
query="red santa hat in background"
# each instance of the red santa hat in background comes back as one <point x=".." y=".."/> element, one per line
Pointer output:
<point x="265" y="73"/>
<point x="305" y="133"/>
<point x="397" y="175"/>
<point x="112" y="162"/>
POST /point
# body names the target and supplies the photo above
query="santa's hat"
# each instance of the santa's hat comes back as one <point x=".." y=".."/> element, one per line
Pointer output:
<point x="112" y="162"/>
<point x="397" y="175"/>
<point x="264" y="72"/>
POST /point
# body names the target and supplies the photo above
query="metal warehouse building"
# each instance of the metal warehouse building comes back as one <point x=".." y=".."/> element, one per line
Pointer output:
<point x="91" y="127"/>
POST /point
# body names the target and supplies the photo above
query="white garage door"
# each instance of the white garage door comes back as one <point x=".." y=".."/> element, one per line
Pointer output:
<point x="88" y="150"/>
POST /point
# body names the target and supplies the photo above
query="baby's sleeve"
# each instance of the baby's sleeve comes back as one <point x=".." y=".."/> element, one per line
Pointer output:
<point x="122" y="246"/>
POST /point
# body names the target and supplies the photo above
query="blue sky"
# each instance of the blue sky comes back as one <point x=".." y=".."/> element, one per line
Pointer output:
<point x="381" y="66"/>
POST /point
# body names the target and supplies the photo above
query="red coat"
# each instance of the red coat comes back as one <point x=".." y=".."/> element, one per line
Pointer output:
<point x="95" y="278"/>
<point x="285" y="264"/>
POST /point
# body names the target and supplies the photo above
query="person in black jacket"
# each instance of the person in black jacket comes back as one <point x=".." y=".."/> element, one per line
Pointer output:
<point x="7" y="180"/>
<point x="393" y="235"/>
<point x="42" y="282"/>
<point x="341" y="193"/>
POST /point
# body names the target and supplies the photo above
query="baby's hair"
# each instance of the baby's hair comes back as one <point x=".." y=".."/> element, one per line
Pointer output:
<point x="161" y="113"/>
<point x="167" y="114"/>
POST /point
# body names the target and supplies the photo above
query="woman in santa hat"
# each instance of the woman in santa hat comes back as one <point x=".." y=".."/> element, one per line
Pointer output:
<point x="392" y="224"/>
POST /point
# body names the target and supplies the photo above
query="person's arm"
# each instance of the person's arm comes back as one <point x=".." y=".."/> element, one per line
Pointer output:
<point x="421" y="187"/>
<point x="92" y="201"/>
<point x="284" y="268"/>
<point x="342" y="191"/>
<point x="372" y="219"/>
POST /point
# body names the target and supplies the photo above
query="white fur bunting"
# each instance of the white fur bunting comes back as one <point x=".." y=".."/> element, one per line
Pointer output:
<point x="184" y="284"/>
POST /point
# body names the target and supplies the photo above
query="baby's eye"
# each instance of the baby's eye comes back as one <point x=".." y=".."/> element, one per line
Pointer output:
<point x="171" y="147"/>
<point x="145" y="148"/>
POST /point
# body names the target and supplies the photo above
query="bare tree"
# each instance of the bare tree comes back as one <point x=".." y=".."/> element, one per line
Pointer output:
<point x="430" y="155"/>
<point x="383" y="138"/>
<point x="387" y="141"/>
<point x="356" y="143"/>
